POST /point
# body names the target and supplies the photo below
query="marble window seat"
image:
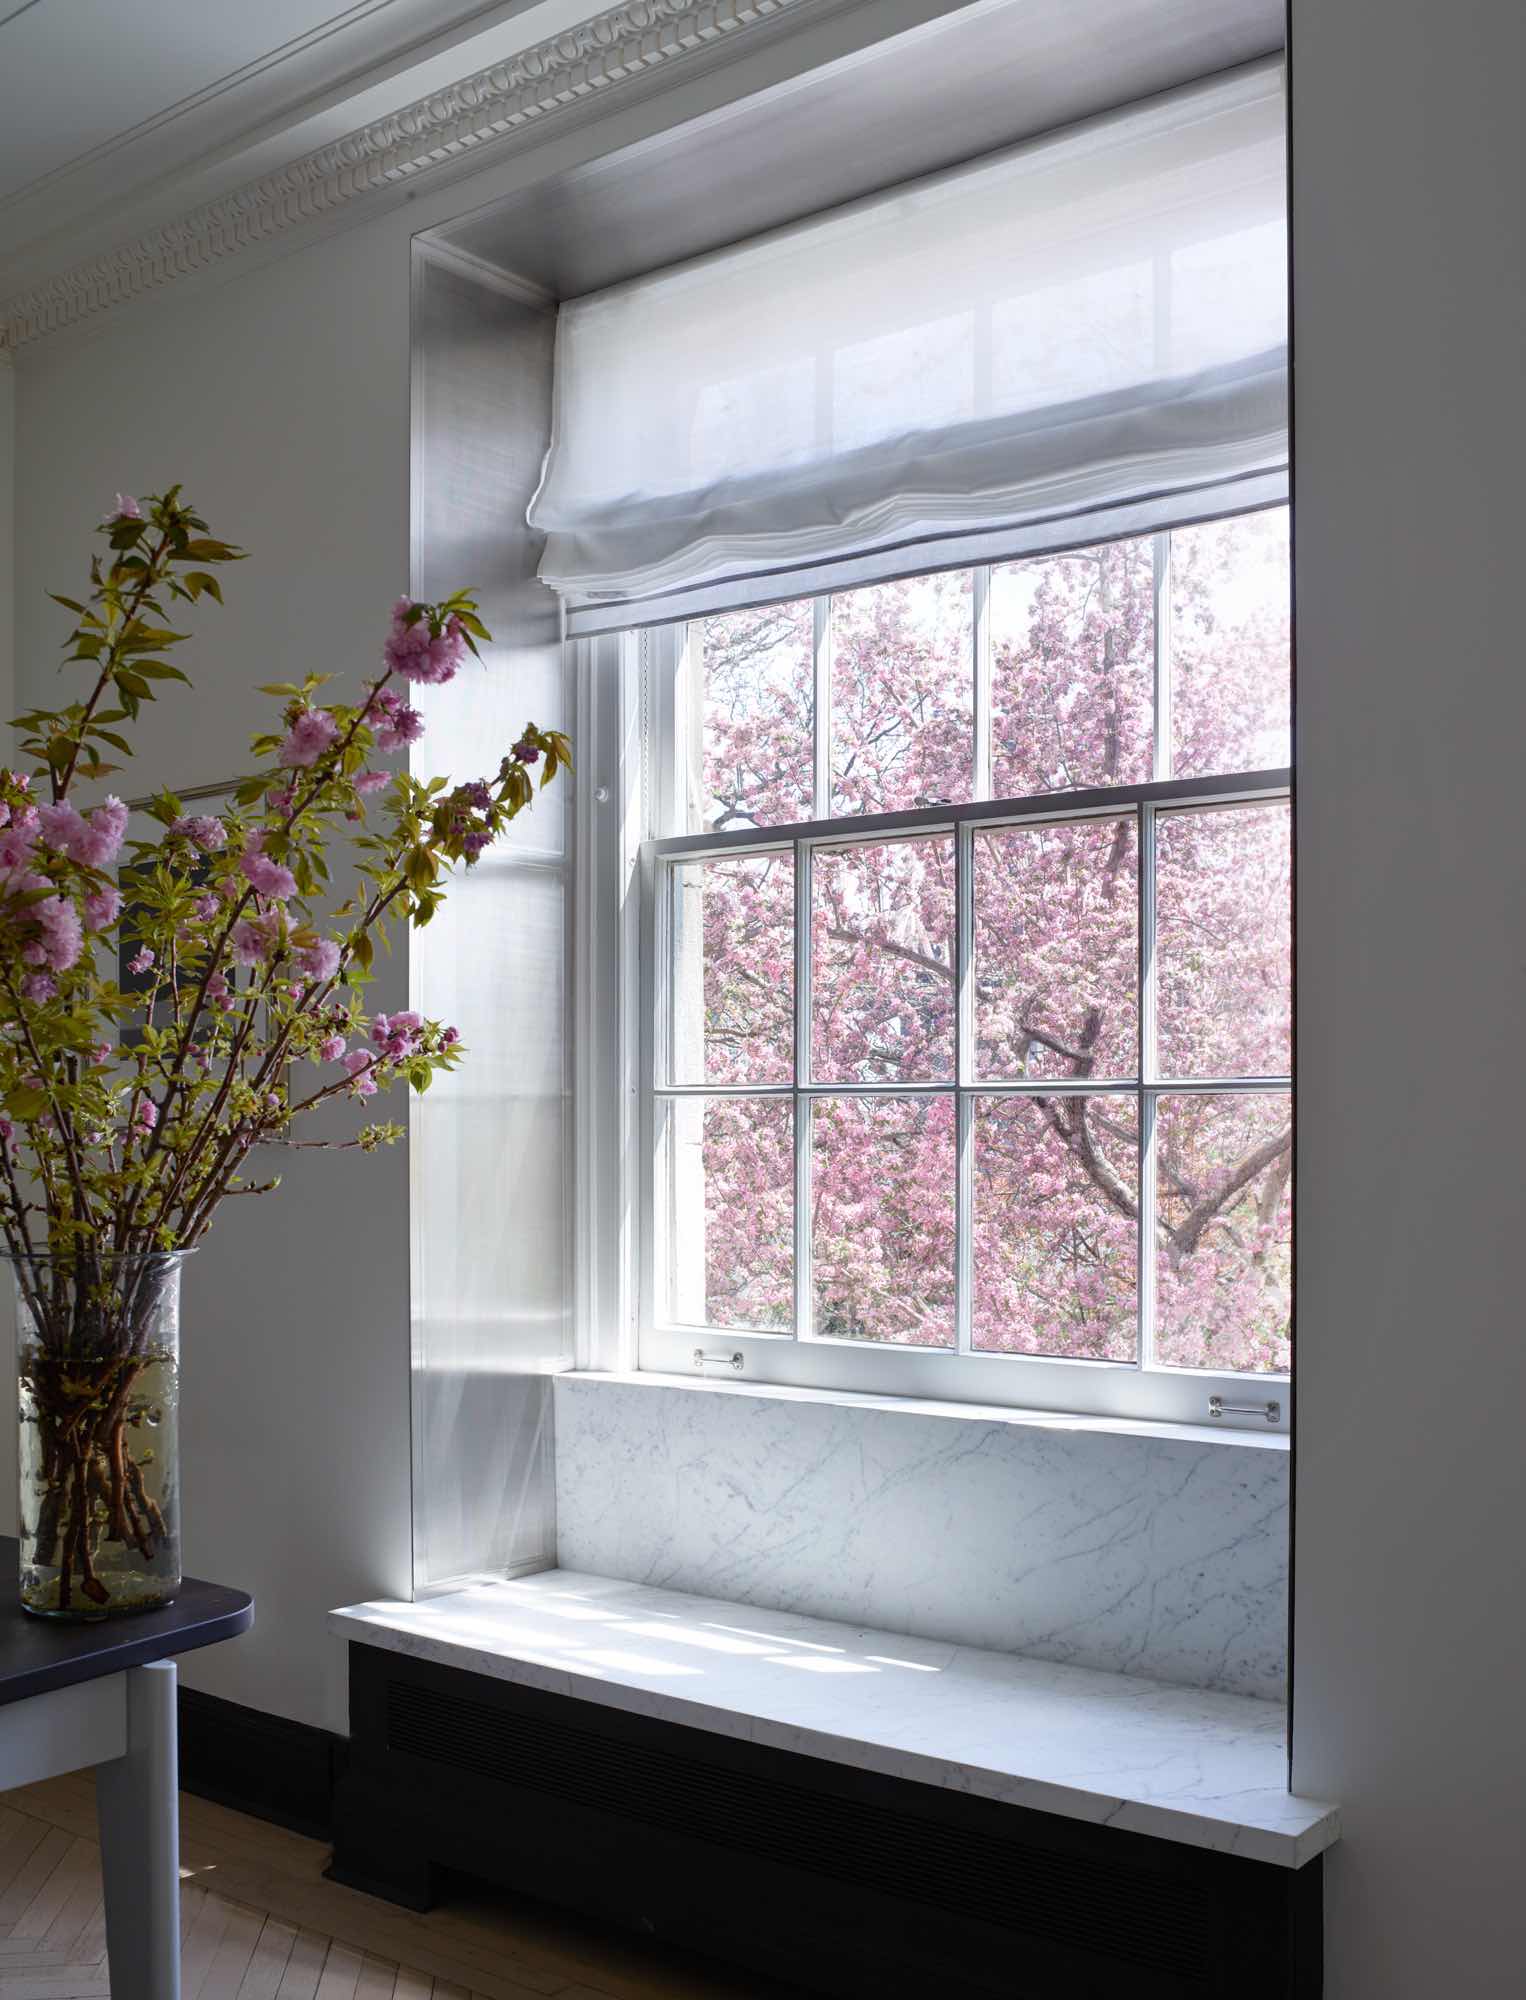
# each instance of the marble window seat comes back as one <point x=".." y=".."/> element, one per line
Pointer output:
<point x="1203" y="1768"/>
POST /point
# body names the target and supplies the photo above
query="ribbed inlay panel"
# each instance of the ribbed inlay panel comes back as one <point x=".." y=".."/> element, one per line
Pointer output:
<point x="1139" y="1918"/>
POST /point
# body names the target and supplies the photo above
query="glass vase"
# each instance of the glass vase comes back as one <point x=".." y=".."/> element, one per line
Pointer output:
<point x="98" y="1363"/>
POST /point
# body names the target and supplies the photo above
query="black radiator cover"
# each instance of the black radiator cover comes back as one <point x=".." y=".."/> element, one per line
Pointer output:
<point x="843" y="1881"/>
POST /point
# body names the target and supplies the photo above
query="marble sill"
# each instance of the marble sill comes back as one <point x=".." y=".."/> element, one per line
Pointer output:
<point x="915" y="1406"/>
<point x="1206" y="1770"/>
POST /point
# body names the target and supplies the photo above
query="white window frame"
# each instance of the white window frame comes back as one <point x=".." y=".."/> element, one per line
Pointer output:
<point x="634" y="699"/>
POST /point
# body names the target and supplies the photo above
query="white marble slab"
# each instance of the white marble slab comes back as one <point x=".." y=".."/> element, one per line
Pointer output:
<point x="1134" y="1548"/>
<point x="1205" y="1769"/>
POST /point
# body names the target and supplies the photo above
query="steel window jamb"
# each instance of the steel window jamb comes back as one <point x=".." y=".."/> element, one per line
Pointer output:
<point x="1102" y="802"/>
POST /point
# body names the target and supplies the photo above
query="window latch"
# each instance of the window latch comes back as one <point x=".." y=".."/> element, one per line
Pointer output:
<point x="702" y="1361"/>
<point x="1217" y="1407"/>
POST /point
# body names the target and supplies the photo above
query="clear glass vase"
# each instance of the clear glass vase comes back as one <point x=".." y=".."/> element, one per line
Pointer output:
<point x="98" y="1362"/>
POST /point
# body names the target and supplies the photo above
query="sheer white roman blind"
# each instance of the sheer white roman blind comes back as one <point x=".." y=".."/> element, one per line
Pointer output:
<point x="1079" y="338"/>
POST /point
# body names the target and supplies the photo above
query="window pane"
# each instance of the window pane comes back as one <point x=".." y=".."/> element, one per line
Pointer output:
<point x="1073" y="670"/>
<point x="1057" y="950"/>
<point x="1231" y="615"/>
<point x="754" y="678"/>
<point x="731" y="1169"/>
<point x="1056" y="1237"/>
<point x="882" y="1219"/>
<point x="903" y="726"/>
<point x="1225" y="1213"/>
<point x="733" y="935"/>
<point x="882" y="962"/>
<point x="1223" y="942"/>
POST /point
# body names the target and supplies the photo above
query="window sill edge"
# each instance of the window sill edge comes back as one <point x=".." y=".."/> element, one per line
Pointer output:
<point x="1147" y="1430"/>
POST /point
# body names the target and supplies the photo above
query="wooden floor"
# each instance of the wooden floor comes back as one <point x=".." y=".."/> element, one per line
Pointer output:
<point x="258" y="1922"/>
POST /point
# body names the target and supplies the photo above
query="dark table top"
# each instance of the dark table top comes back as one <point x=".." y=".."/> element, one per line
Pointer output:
<point x="37" y="1654"/>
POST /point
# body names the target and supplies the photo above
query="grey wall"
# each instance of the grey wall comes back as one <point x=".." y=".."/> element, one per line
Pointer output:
<point x="282" y="404"/>
<point x="1409" y="265"/>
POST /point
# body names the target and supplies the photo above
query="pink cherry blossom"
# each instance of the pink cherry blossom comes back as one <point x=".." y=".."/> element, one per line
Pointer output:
<point x="359" y="1063"/>
<point x="266" y="877"/>
<point x="308" y="737"/>
<point x="319" y="961"/>
<point x="395" y="722"/>
<point x="412" y="652"/>
<point x="63" y="935"/>
<point x="94" y="839"/>
<point x="331" y="1048"/>
<point x="256" y="939"/>
<point x="140" y="961"/>
<point x="204" y="830"/>
<point x="102" y="906"/>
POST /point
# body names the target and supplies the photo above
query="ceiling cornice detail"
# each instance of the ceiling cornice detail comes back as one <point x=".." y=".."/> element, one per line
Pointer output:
<point x="611" y="49"/>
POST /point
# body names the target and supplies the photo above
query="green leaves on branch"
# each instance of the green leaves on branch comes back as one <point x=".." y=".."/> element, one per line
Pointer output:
<point x="123" y="632"/>
<point x="127" y="1115"/>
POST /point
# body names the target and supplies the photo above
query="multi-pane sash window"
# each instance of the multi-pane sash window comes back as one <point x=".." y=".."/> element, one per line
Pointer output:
<point x="969" y="1003"/>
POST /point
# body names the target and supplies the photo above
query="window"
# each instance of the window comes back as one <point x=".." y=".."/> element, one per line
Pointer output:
<point x="966" y="981"/>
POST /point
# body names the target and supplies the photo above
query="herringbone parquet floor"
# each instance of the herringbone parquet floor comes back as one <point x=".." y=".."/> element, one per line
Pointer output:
<point x="258" y="1922"/>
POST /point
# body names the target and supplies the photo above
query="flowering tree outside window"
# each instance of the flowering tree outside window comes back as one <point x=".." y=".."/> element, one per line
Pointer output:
<point x="1118" y="1108"/>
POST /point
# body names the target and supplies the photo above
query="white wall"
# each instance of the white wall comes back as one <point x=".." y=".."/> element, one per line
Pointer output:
<point x="281" y="402"/>
<point x="1409" y="265"/>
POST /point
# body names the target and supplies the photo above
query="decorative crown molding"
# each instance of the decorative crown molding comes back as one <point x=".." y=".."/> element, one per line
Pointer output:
<point x="611" y="49"/>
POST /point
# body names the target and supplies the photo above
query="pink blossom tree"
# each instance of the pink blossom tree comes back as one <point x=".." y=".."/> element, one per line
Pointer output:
<point x="1057" y="956"/>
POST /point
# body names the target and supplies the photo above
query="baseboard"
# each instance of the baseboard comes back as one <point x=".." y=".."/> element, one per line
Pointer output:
<point x="260" y="1764"/>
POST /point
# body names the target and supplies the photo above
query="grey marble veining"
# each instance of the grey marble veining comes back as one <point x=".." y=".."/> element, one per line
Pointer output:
<point x="1207" y="1770"/>
<point x="1127" y="1549"/>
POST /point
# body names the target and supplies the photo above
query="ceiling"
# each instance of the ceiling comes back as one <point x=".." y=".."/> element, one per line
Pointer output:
<point x="116" y="115"/>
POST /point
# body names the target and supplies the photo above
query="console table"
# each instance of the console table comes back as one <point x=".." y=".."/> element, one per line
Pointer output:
<point x="103" y="1694"/>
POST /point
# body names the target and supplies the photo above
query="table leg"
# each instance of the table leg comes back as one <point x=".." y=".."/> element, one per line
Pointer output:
<point x="137" y="1804"/>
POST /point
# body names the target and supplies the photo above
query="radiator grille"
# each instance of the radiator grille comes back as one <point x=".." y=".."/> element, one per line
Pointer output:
<point x="1135" y="1917"/>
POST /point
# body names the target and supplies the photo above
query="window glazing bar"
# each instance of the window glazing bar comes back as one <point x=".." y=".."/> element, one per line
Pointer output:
<point x="964" y="1068"/>
<point x="1144" y="1285"/>
<point x="1164" y="733"/>
<point x="980" y="591"/>
<point x="1099" y="803"/>
<point x="999" y="1087"/>
<point x="802" y="1119"/>
<point x="821" y="706"/>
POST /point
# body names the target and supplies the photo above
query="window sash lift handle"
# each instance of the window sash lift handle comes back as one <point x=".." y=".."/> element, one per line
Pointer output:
<point x="734" y="1361"/>
<point x="1217" y="1407"/>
